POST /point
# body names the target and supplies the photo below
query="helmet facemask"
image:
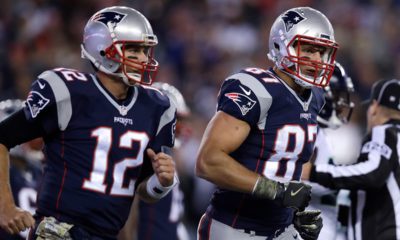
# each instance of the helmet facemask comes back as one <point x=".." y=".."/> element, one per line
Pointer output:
<point x="320" y="71"/>
<point x="337" y="110"/>
<point x="343" y="106"/>
<point x="130" y="67"/>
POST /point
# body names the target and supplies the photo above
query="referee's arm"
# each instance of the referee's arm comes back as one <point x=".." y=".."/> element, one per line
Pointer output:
<point x="371" y="170"/>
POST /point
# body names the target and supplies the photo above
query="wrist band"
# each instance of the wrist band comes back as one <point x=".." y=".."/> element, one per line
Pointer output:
<point x="265" y="188"/>
<point x="156" y="190"/>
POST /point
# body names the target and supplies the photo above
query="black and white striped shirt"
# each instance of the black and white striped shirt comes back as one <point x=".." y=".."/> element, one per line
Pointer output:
<point x="374" y="181"/>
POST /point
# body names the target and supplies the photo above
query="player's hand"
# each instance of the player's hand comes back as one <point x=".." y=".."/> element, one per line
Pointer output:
<point x="14" y="220"/>
<point x="294" y="194"/>
<point x="308" y="223"/>
<point x="163" y="166"/>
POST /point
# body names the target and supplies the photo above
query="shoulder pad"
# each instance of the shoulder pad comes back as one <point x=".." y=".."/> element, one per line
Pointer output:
<point x="69" y="75"/>
<point x="60" y="91"/>
<point x="250" y="89"/>
<point x="168" y="112"/>
<point x="155" y="95"/>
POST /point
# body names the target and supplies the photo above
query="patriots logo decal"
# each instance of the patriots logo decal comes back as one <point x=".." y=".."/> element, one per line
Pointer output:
<point x="291" y="18"/>
<point x="306" y="116"/>
<point x="106" y="17"/>
<point x="242" y="101"/>
<point x="36" y="102"/>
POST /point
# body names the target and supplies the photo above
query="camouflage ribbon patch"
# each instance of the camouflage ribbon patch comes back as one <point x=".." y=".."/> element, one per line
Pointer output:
<point x="51" y="229"/>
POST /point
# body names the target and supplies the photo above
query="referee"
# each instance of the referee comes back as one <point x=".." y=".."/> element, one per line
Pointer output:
<point x="374" y="180"/>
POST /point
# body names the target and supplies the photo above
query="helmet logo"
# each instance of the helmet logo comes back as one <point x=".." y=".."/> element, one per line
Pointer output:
<point x="291" y="18"/>
<point x="106" y="17"/>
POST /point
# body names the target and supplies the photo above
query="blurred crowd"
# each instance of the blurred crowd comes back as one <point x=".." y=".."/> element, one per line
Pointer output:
<point x="200" y="43"/>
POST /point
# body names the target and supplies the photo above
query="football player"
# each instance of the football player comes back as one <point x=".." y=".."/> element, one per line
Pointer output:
<point x="104" y="135"/>
<point x="336" y="112"/>
<point x="264" y="131"/>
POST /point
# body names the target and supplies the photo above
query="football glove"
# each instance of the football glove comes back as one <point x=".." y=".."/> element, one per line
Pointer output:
<point x="308" y="223"/>
<point x="294" y="194"/>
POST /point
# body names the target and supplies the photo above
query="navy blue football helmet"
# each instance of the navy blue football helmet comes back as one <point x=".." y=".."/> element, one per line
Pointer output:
<point x="338" y="107"/>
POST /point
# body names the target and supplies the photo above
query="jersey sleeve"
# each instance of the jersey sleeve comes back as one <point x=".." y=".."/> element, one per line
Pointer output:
<point x="245" y="98"/>
<point x="371" y="170"/>
<point x="49" y="102"/>
<point x="165" y="133"/>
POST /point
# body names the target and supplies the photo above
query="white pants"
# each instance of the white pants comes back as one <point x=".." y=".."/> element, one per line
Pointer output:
<point x="221" y="231"/>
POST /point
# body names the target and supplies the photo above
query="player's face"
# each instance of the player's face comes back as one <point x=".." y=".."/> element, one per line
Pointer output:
<point x="138" y="55"/>
<point x="310" y="53"/>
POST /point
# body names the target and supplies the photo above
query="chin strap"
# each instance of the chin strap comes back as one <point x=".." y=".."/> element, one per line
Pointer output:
<point x="297" y="80"/>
